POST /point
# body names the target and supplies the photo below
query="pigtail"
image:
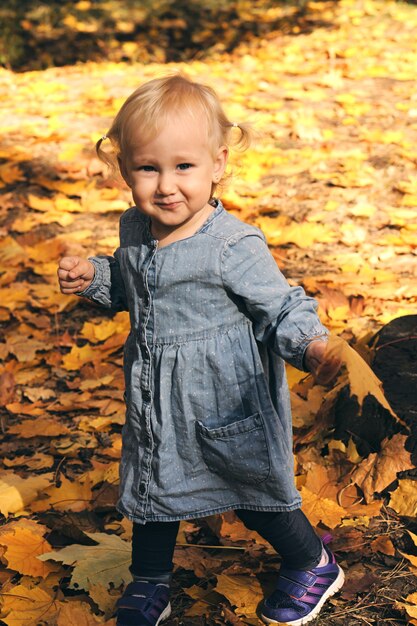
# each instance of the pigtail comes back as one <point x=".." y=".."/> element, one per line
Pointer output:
<point x="246" y="134"/>
<point x="108" y="158"/>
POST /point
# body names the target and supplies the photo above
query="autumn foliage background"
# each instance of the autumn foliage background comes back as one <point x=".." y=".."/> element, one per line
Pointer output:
<point x="331" y="179"/>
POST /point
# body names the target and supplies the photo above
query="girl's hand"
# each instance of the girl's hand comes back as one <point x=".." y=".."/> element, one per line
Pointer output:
<point x="75" y="274"/>
<point x="322" y="365"/>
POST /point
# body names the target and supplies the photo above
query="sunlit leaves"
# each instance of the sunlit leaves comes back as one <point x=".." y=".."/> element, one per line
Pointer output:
<point x="330" y="179"/>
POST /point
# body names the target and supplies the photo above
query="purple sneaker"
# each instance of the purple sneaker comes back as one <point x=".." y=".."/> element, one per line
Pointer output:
<point x="300" y="594"/>
<point x="143" y="604"/>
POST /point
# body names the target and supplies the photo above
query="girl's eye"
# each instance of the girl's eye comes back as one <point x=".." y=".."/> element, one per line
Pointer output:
<point x="184" y="166"/>
<point x="146" y="168"/>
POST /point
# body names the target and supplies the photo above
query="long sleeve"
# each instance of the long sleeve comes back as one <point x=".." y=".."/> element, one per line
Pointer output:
<point x="107" y="288"/>
<point x="284" y="317"/>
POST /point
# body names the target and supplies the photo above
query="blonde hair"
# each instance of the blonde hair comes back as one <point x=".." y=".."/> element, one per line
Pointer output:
<point x="148" y="108"/>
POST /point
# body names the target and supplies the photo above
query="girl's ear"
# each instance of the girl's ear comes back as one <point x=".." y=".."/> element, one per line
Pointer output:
<point x="220" y="163"/>
<point x="123" y="171"/>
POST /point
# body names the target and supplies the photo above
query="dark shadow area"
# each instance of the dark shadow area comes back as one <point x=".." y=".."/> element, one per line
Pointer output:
<point x="35" y="35"/>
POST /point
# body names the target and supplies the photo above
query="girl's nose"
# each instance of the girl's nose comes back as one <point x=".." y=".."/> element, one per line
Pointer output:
<point x="166" y="184"/>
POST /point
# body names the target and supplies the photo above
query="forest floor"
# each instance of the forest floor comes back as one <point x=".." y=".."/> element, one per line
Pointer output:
<point x="331" y="180"/>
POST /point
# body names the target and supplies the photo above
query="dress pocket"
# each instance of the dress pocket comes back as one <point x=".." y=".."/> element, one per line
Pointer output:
<point x="238" y="452"/>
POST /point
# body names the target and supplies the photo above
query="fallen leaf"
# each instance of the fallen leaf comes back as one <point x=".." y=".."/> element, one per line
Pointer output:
<point x="320" y="509"/>
<point x="24" y="604"/>
<point x="105" y="563"/>
<point x="24" y="542"/>
<point x="404" y="499"/>
<point x="243" y="592"/>
<point x="16" y="492"/>
<point x="380" y="469"/>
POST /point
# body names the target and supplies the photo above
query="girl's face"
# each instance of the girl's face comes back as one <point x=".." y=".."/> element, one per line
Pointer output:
<point x="171" y="177"/>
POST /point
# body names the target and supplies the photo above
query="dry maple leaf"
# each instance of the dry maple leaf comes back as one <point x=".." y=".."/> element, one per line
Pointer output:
<point x="70" y="496"/>
<point x="404" y="499"/>
<point x="76" y="613"/>
<point x="104" y="563"/>
<point x="28" y="605"/>
<point x="16" y="493"/>
<point x="380" y="469"/>
<point x="40" y="427"/>
<point x="362" y="380"/>
<point x="383" y="544"/>
<point x="319" y="509"/>
<point x="243" y="592"/>
<point x="410" y="607"/>
<point x="24" y="542"/>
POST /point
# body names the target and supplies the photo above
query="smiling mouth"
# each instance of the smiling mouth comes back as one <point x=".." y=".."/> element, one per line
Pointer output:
<point x="167" y="205"/>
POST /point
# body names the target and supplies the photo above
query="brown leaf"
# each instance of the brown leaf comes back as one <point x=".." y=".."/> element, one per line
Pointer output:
<point x="379" y="470"/>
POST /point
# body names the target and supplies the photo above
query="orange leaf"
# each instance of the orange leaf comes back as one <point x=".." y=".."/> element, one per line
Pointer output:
<point x="40" y="427"/>
<point x="70" y="496"/>
<point x="383" y="544"/>
<point x="380" y="469"/>
<point x="16" y="493"/>
<point x="361" y="378"/>
<point x="24" y="541"/>
<point x="319" y="509"/>
<point x="404" y="498"/>
<point x="243" y="592"/>
<point x="28" y="605"/>
<point x="76" y="613"/>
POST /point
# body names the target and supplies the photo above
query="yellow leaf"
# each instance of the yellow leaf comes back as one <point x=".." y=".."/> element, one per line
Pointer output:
<point x="280" y="231"/>
<point x="69" y="188"/>
<point x="243" y="592"/>
<point x="362" y="380"/>
<point x="410" y="606"/>
<point x="75" y="359"/>
<point x="15" y="298"/>
<point x="16" y="493"/>
<point x="24" y="541"/>
<point x="37" y="462"/>
<point x="12" y="253"/>
<point x="28" y="605"/>
<point x="10" y="173"/>
<point x="42" y="426"/>
<point x="64" y="204"/>
<point x="404" y="498"/>
<point x="77" y="613"/>
<point x="40" y="203"/>
<point x="319" y="509"/>
<point x="380" y="469"/>
<point x="101" y="331"/>
<point x="70" y="496"/>
<point x="104" y="563"/>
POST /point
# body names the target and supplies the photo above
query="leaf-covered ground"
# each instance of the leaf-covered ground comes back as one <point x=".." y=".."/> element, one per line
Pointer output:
<point x="331" y="179"/>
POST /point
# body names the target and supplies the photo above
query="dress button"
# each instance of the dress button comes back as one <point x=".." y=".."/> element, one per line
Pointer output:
<point x="146" y="395"/>
<point x="142" y="488"/>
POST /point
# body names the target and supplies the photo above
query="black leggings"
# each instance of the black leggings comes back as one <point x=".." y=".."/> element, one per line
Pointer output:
<point x="289" y="533"/>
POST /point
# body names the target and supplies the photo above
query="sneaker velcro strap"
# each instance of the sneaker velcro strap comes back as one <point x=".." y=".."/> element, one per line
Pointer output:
<point x="305" y="578"/>
<point x="293" y="589"/>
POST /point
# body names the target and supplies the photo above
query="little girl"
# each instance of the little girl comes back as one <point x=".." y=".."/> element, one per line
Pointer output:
<point x="208" y="422"/>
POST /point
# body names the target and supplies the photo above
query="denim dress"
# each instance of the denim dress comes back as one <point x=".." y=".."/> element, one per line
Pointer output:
<point x="208" y="420"/>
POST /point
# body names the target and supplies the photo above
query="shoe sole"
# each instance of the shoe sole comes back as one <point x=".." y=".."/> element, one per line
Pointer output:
<point x="164" y="615"/>
<point x="334" y="588"/>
